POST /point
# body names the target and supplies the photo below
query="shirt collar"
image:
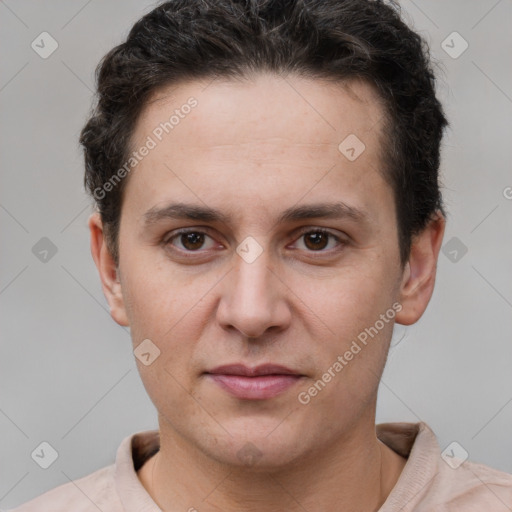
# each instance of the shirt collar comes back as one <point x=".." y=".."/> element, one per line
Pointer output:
<point x="415" y="441"/>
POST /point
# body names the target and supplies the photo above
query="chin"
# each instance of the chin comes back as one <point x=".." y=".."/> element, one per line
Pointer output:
<point x="256" y="449"/>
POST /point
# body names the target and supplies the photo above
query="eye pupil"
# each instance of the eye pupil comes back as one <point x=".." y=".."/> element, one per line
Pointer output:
<point x="318" y="239"/>
<point x="192" y="240"/>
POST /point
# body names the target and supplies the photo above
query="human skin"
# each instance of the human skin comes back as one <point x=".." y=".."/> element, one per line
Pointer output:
<point x="252" y="149"/>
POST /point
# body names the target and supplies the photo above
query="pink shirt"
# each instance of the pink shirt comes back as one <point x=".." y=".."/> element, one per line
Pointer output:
<point x="428" y="481"/>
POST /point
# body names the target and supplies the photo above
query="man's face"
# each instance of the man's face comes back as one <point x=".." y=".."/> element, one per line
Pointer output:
<point x="252" y="151"/>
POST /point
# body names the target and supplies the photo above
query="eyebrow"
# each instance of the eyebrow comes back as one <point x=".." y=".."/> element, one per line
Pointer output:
<point x="184" y="211"/>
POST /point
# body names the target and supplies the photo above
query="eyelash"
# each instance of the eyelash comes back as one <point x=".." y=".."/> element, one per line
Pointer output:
<point x="304" y="231"/>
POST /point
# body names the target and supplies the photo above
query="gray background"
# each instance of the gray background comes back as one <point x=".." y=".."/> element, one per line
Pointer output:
<point x="67" y="372"/>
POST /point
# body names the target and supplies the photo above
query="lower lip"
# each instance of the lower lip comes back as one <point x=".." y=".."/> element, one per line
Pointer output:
<point x="255" y="388"/>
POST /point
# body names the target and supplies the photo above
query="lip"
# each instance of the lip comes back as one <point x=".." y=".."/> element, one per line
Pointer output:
<point x="259" y="383"/>
<point x="246" y="371"/>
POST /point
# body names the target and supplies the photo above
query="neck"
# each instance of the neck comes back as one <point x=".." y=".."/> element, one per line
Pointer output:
<point x="356" y="473"/>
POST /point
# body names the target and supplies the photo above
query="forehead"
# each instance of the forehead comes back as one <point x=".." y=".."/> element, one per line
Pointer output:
<point x="265" y="135"/>
<point x="265" y="106"/>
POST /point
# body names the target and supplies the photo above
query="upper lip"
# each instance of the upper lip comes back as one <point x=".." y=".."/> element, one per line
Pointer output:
<point x="246" y="371"/>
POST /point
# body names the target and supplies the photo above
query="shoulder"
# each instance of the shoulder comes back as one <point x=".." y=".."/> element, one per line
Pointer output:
<point x="435" y="481"/>
<point x="107" y="488"/>
<point x="90" y="493"/>
<point x="473" y="486"/>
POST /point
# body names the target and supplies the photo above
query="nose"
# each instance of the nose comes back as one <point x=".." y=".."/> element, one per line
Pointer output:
<point x="254" y="298"/>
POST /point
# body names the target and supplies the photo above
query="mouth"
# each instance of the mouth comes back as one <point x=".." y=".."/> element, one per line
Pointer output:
<point x="258" y="383"/>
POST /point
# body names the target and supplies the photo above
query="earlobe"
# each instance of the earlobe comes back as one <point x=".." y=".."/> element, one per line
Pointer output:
<point x="108" y="271"/>
<point x="420" y="272"/>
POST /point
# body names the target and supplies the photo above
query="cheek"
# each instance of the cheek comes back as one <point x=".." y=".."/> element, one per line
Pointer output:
<point x="162" y="313"/>
<point x="350" y="305"/>
<point x="353" y="299"/>
<point x="168" y="309"/>
<point x="155" y="298"/>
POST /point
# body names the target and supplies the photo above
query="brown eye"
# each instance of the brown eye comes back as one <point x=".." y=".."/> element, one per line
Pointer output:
<point x="190" y="241"/>
<point x="319" y="240"/>
<point x="316" y="240"/>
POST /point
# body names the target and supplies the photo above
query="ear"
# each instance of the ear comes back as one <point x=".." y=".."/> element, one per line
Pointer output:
<point x="420" y="271"/>
<point x="109" y="274"/>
